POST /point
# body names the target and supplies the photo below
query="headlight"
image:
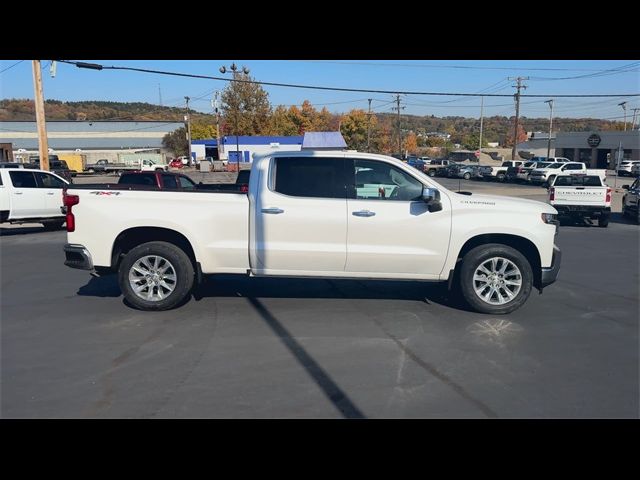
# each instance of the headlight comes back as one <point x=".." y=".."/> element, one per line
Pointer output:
<point x="549" y="218"/>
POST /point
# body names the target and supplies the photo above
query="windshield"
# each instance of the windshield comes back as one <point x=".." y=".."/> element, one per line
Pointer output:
<point x="554" y="165"/>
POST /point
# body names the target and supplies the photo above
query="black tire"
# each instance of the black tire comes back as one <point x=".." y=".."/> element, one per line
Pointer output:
<point x="53" y="226"/>
<point x="466" y="176"/>
<point x="638" y="215"/>
<point x="431" y="173"/>
<point x="482" y="253"/>
<point x="183" y="271"/>
<point x="500" y="177"/>
<point x="603" y="221"/>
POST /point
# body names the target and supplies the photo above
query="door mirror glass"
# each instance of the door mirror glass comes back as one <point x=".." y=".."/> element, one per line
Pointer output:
<point x="625" y="187"/>
<point x="431" y="196"/>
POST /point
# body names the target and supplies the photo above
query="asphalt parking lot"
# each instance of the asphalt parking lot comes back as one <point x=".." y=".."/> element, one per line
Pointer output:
<point x="277" y="348"/>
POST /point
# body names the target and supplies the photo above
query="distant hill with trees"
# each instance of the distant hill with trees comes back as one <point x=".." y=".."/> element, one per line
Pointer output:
<point x="248" y="106"/>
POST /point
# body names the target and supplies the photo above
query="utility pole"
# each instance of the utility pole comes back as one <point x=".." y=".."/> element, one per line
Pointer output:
<point x="550" y="102"/>
<point x="481" y="119"/>
<point x="40" y="118"/>
<point x="216" y="111"/>
<point x="518" y="86"/>
<point x="369" y="125"/>
<point x="188" y="119"/>
<point x="398" y="108"/>
<point x="624" y="107"/>
<point x="633" y="122"/>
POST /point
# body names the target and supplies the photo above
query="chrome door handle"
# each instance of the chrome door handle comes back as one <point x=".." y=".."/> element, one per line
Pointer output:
<point x="364" y="213"/>
<point x="18" y="193"/>
<point x="273" y="210"/>
<point x="50" y="193"/>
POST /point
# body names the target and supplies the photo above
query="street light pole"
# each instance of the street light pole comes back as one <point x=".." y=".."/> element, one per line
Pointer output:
<point x="550" y="102"/>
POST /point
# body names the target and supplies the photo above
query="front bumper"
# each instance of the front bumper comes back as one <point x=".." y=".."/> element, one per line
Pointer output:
<point x="77" y="256"/>
<point x="549" y="275"/>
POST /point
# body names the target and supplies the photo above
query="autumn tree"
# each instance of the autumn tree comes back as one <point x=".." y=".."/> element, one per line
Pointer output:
<point x="245" y="107"/>
<point x="353" y="127"/>
<point x="176" y="142"/>
<point x="281" y="123"/>
<point x="411" y="143"/>
<point x="521" y="137"/>
<point x="201" y="130"/>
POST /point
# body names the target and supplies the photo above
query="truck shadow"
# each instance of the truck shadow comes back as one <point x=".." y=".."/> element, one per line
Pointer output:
<point x="616" y="217"/>
<point x="7" y="232"/>
<point x="251" y="287"/>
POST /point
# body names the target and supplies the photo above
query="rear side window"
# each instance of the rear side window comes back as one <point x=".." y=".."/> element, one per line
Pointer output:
<point x="310" y="177"/>
<point x="169" y="181"/>
<point x="573" y="166"/>
<point x="186" y="183"/>
<point x="138" y="179"/>
<point x="49" y="181"/>
<point x="23" y="180"/>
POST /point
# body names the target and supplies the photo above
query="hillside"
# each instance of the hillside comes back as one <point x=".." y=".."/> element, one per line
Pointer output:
<point x="460" y="128"/>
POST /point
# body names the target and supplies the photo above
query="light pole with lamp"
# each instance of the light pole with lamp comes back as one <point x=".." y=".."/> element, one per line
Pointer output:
<point x="234" y="68"/>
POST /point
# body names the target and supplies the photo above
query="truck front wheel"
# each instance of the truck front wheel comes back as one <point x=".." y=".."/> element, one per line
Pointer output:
<point x="431" y="173"/>
<point x="156" y="276"/>
<point x="495" y="279"/>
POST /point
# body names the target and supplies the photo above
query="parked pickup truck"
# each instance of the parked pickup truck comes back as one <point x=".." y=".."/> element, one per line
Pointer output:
<point x="31" y="196"/>
<point x="325" y="214"/>
<point x="521" y="172"/>
<point x="59" y="167"/>
<point x="581" y="197"/>
<point x="435" y="167"/>
<point x="104" y="166"/>
<point x="489" y="172"/>
<point x="549" y="172"/>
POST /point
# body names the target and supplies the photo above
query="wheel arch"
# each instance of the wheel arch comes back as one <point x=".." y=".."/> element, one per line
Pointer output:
<point x="522" y="244"/>
<point x="132" y="237"/>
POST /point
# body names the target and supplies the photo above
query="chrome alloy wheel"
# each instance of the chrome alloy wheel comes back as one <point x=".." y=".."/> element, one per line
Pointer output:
<point x="152" y="278"/>
<point x="497" y="281"/>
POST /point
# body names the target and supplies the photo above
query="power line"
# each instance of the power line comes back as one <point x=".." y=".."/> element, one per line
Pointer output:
<point x="611" y="71"/>
<point x="11" y="66"/>
<point x="468" y="67"/>
<point x="95" y="66"/>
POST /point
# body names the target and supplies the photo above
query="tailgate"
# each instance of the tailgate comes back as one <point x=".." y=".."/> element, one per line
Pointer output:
<point x="588" y="196"/>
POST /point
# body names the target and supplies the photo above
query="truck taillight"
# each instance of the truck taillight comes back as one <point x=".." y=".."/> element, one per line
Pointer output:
<point x="244" y="188"/>
<point x="608" y="195"/>
<point x="552" y="194"/>
<point x="69" y="201"/>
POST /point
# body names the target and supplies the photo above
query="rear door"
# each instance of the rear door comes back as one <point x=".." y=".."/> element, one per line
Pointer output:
<point x="51" y="186"/>
<point x="299" y="223"/>
<point x="391" y="232"/>
<point x="27" y="200"/>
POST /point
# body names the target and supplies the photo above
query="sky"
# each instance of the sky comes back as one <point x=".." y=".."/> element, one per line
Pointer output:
<point x="456" y="76"/>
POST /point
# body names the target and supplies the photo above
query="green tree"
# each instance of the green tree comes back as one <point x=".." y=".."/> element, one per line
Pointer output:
<point x="176" y="142"/>
<point x="245" y="107"/>
<point x="281" y="123"/>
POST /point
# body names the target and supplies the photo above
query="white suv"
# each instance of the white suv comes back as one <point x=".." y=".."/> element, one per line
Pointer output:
<point x="626" y="167"/>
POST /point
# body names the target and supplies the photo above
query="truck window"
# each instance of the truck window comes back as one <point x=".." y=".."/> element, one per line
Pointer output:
<point x="310" y="177"/>
<point x="23" y="180"/>
<point x="169" y="181"/>
<point x="186" y="183"/>
<point x="572" y="166"/>
<point x="139" y="179"/>
<point x="376" y="180"/>
<point x="49" y="181"/>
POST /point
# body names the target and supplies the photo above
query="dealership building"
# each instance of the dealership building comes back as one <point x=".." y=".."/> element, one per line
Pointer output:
<point x="598" y="149"/>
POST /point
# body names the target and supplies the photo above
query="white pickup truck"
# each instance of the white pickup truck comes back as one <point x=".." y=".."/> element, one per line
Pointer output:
<point x="581" y="197"/>
<point x="499" y="173"/>
<point x="337" y="214"/>
<point x="31" y="196"/>
<point x="549" y="172"/>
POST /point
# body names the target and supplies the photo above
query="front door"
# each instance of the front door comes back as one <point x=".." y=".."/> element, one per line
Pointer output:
<point x="299" y="220"/>
<point x="391" y="232"/>
<point x="27" y="200"/>
<point x="52" y="187"/>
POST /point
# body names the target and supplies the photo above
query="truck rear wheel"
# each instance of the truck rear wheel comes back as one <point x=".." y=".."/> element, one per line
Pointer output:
<point x="603" y="221"/>
<point x="431" y="173"/>
<point x="156" y="276"/>
<point x="495" y="279"/>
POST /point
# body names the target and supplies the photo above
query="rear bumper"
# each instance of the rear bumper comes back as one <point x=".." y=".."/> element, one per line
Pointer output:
<point x="549" y="275"/>
<point x="582" y="209"/>
<point x="77" y="256"/>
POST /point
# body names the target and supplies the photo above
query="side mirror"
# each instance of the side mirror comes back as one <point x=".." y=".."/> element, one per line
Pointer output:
<point x="431" y="196"/>
<point x="625" y="187"/>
